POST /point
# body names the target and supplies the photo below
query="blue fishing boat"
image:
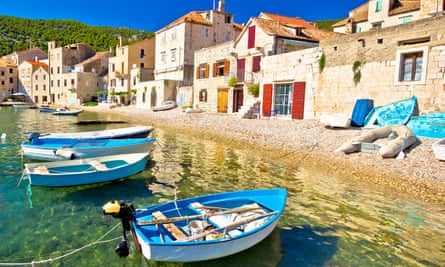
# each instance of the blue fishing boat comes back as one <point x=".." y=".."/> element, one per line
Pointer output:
<point x="52" y="149"/>
<point x="429" y="125"/>
<point x="200" y="228"/>
<point x="85" y="171"/>
<point x="118" y="133"/>
<point x="394" y="113"/>
<point x="47" y="109"/>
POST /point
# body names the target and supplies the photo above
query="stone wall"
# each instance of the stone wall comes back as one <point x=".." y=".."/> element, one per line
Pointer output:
<point x="376" y="54"/>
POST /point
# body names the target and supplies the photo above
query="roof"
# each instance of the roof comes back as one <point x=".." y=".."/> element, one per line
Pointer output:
<point x="360" y="13"/>
<point x="191" y="17"/>
<point x="288" y="21"/>
<point x="36" y="63"/>
<point x="310" y="33"/>
<point x="404" y="6"/>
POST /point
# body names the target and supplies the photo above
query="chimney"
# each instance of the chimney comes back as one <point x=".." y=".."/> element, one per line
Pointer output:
<point x="221" y="6"/>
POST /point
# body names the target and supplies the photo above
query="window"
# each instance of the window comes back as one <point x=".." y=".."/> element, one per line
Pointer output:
<point x="11" y="70"/>
<point x="37" y="87"/>
<point x="376" y="25"/>
<point x="163" y="38"/>
<point x="283" y="98"/>
<point x="205" y="32"/>
<point x="256" y="63"/>
<point x="173" y="55"/>
<point x="405" y="19"/>
<point x="411" y="66"/>
<point x="203" y="95"/>
<point x="228" y="19"/>
<point x="142" y="53"/>
<point x="36" y="77"/>
<point x="173" y="36"/>
<point x="221" y="68"/>
<point x="227" y="36"/>
<point x="163" y="57"/>
<point x="251" y="37"/>
<point x="202" y="71"/>
<point x="378" y="5"/>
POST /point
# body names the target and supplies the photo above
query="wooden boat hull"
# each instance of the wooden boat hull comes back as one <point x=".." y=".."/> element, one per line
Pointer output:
<point x="119" y="133"/>
<point x="147" y="237"/>
<point x="82" y="172"/>
<point x="439" y="149"/>
<point x="62" y="149"/>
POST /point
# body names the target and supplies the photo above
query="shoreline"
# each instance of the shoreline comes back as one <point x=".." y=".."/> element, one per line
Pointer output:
<point x="308" y="143"/>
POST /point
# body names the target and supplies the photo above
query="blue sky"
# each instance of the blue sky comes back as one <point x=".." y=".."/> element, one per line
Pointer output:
<point x="152" y="15"/>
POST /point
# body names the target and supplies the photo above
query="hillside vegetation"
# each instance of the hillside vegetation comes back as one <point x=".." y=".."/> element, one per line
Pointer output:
<point x="20" y="34"/>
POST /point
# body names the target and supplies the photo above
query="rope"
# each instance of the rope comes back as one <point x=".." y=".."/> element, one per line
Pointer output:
<point x="33" y="263"/>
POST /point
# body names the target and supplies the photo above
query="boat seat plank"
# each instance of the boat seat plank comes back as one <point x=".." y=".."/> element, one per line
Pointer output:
<point x="98" y="165"/>
<point x="177" y="233"/>
<point x="41" y="169"/>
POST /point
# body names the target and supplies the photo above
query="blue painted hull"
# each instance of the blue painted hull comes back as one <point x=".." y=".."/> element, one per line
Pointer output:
<point x="395" y="113"/>
<point x="230" y="240"/>
<point x="61" y="149"/>
<point x="429" y="125"/>
<point x="82" y="172"/>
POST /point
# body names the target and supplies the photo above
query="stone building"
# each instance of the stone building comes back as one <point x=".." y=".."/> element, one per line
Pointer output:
<point x="8" y="78"/>
<point x="75" y="74"/>
<point x="137" y="58"/>
<point x="33" y="54"/>
<point x="226" y="73"/>
<point x="34" y="81"/>
<point x="385" y="65"/>
<point x="176" y="44"/>
<point x="377" y="14"/>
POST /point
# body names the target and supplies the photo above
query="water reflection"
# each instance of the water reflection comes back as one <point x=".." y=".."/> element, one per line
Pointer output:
<point x="328" y="220"/>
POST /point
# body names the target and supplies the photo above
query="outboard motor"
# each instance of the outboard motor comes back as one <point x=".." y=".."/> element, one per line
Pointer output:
<point x="126" y="213"/>
<point x="33" y="135"/>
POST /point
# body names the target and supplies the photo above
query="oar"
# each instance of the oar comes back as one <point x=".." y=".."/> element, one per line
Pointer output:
<point x="204" y="215"/>
<point x="225" y="228"/>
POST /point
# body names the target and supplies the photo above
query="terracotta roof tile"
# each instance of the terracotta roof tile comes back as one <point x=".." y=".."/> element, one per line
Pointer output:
<point x="276" y="28"/>
<point x="38" y="64"/>
<point x="288" y="21"/>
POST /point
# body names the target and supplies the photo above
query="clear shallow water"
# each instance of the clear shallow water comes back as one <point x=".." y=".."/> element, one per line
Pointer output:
<point x="328" y="221"/>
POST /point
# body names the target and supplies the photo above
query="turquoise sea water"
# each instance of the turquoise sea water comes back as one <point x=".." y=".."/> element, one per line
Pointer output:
<point x="328" y="221"/>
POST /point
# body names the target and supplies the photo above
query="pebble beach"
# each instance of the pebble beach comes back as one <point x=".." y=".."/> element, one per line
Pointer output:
<point x="306" y="142"/>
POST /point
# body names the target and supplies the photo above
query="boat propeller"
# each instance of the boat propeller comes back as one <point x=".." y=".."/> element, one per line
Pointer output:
<point x="120" y="210"/>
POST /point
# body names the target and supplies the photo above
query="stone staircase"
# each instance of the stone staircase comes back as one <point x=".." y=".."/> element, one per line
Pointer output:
<point x="250" y="110"/>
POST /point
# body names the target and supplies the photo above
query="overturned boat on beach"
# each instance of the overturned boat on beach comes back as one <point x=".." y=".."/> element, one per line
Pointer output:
<point x="399" y="137"/>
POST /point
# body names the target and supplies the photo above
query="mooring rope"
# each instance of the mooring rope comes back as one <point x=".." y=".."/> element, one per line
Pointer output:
<point x="33" y="263"/>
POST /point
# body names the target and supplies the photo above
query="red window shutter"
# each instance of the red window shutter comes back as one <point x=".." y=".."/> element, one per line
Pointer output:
<point x="215" y="66"/>
<point x="197" y="73"/>
<point x="256" y="63"/>
<point x="267" y="99"/>
<point x="251" y="37"/>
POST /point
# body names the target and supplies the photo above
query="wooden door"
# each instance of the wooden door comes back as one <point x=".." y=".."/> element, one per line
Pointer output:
<point x="223" y="100"/>
<point x="267" y="99"/>
<point x="298" y="100"/>
<point x="237" y="99"/>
